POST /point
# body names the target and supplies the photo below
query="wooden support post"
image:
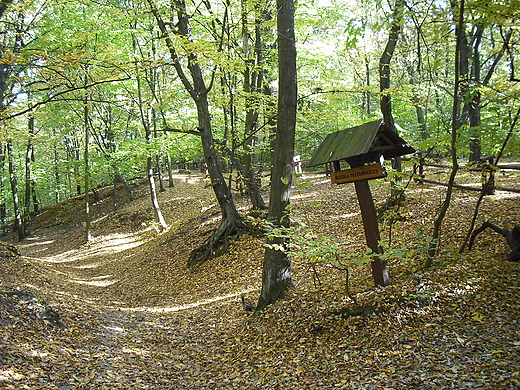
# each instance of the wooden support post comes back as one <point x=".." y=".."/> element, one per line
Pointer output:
<point x="369" y="216"/>
<point x="368" y="213"/>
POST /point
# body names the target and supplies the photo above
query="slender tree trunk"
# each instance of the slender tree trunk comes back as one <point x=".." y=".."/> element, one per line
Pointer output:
<point x="417" y="102"/>
<point x="253" y="81"/>
<point x="473" y="106"/>
<point x="276" y="272"/>
<point x="126" y="186"/>
<point x="489" y="183"/>
<point x="231" y="223"/>
<point x="28" y="179"/>
<point x="18" y="222"/>
<point x="160" y="176"/>
<point x="30" y="184"/>
<point x="151" y="180"/>
<point x="153" y="193"/>
<point x="158" y="157"/>
<point x="86" y="118"/>
<point x="367" y="94"/>
<point x="384" y="80"/>
<point x="114" y="192"/>
<point x="170" y="171"/>
<point x="147" y="120"/>
<point x="455" y="125"/>
<point x="3" y="206"/>
<point x="57" y="176"/>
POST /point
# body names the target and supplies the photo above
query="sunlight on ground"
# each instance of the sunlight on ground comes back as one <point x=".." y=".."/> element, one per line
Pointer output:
<point x="7" y="375"/>
<point x="182" y="307"/>
<point x="344" y="216"/>
<point x="136" y="351"/>
<point x="110" y="244"/>
<point x="115" y="329"/>
<point x="211" y="221"/>
<point x="505" y="195"/>
<point x="191" y="179"/>
<point x="98" y="281"/>
<point x="40" y="243"/>
<point x="295" y="196"/>
<point x="100" y="219"/>
<point x="90" y="265"/>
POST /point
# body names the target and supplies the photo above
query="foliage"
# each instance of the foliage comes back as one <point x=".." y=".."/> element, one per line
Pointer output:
<point x="338" y="42"/>
<point x="305" y="245"/>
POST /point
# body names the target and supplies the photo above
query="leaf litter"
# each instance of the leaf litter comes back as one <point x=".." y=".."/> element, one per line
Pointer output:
<point x="134" y="317"/>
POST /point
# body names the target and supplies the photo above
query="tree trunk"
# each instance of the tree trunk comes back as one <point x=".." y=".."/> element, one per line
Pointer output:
<point x="3" y="206"/>
<point x="384" y="81"/>
<point x="153" y="194"/>
<point x="158" y="164"/>
<point x="253" y="81"/>
<point x="30" y="184"/>
<point x="57" y="176"/>
<point x="170" y="172"/>
<point x="231" y="223"/>
<point x="415" y="75"/>
<point x="473" y="105"/>
<point x="474" y="98"/>
<point x="158" y="157"/>
<point x="88" y="232"/>
<point x="512" y="237"/>
<point x="18" y="222"/>
<point x="151" y="180"/>
<point x="276" y="272"/>
<point x="28" y="179"/>
<point x="147" y="117"/>
<point x="367" y="94"/>
<point x="455" y="125"/>
<point x="114" y="192"/>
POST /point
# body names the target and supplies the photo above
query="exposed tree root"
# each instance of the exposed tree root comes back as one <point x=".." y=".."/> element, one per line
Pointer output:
<point x="512" y="237"/>
<point x="218" y="243"/>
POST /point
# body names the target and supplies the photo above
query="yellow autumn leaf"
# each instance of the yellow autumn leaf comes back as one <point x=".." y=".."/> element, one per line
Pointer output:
<point x="478" y="317"/>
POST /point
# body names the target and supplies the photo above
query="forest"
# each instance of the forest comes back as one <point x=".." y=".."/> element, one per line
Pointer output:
<point x="164" y="225"/>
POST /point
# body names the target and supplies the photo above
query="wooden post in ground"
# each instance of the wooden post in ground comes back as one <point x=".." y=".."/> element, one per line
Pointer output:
<point x="368" y="213"/>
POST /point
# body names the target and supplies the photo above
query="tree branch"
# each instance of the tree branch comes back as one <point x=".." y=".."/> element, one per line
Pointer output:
<point x="172" y="130"/>
<point x="56" y="95"/>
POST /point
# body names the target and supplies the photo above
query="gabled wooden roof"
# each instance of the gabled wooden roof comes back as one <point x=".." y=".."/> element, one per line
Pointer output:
<point x="368" y="142"/>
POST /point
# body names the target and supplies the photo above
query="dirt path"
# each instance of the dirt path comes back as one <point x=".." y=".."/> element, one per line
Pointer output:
<point x="124" y="329"/>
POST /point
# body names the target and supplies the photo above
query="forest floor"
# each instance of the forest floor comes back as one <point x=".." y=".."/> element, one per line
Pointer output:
<point x="132" y="316"/>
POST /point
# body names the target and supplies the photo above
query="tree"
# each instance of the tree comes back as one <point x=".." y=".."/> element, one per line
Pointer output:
<point x="384" y="81"/>
<point x="455" y="126"/>
<point x="231" y="223"/>
<point x="18" y="221"/>
<point x="254" y="74"/>
<point x="148" y="118"/>
<point x="276" y="272"/>
<point x="471" y="53"/>
<point x="86" y="158"/>
<point x="384" y="64"/>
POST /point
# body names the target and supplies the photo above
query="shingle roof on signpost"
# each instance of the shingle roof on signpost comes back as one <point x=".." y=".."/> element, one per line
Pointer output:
<point x="368" y="141"/>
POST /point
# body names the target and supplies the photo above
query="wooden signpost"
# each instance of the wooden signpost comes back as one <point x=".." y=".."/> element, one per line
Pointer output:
<point x="371" y="226"/>
<point x="359" y="146"/>
<point x="366" y="172"/>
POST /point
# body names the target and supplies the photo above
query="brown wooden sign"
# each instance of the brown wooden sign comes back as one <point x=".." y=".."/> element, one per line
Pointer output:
<point x="367" y="172"/>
